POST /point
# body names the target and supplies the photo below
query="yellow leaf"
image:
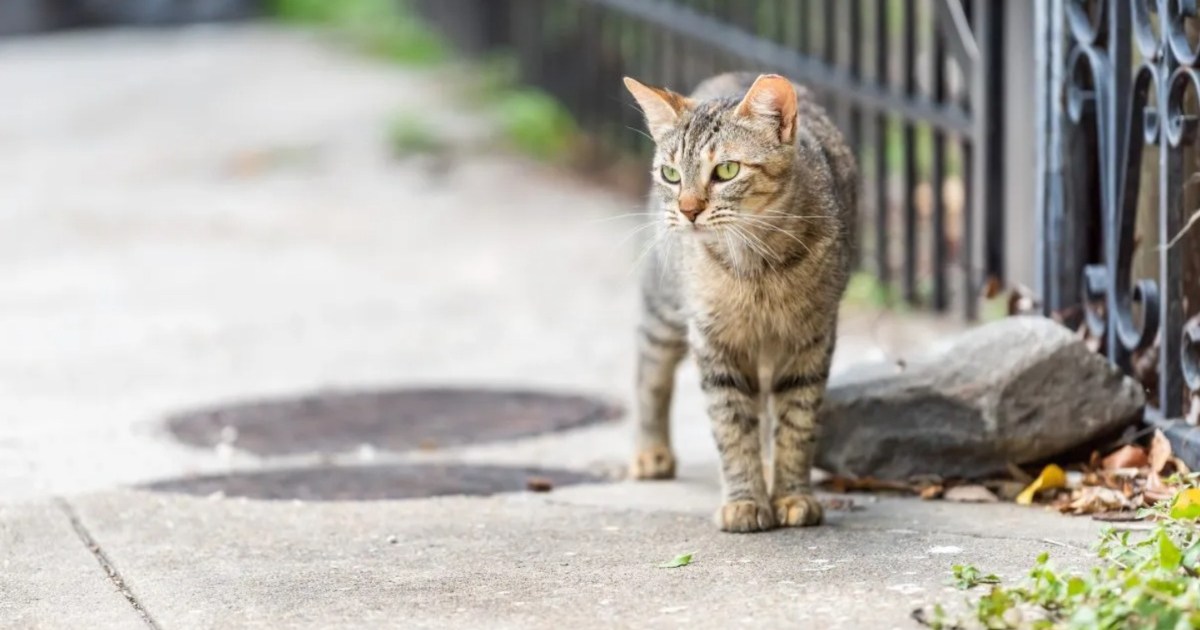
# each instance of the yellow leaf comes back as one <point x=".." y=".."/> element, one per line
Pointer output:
<point x="1187" y="504"/>
<point x="1052" y="477"/>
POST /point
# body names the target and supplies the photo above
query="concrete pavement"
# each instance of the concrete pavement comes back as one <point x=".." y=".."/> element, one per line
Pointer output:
<point x="200" y="216"/>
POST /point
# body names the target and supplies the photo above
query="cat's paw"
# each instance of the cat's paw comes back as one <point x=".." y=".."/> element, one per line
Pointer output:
<point x="798" y="510"/>
<point x="745" y="516"/>
<point x="655" y="462"/>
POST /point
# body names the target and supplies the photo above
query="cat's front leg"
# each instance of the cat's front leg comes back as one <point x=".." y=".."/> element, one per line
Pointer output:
<point x="662" y="344"/>
<point x="797" y="391"/>
<point x="731" y="390"/>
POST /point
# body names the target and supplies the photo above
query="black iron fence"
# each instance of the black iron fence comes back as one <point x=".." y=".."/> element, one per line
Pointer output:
<point x="916" y="85"/>
<point x="1120" y="161"/>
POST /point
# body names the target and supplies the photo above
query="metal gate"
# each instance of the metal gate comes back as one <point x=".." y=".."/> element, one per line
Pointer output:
<point x="917" y="85"/>
<point x="1118" y="151"/>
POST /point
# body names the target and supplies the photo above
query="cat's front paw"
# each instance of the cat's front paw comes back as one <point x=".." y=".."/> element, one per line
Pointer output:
<point x="655" y="462"/>
<point x="798" y="510"/>
<point x="745" y="516"/>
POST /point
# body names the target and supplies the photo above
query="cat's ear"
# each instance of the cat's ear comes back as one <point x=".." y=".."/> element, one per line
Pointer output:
<point x="772" y="97"/>
<point x="661" y="107"/>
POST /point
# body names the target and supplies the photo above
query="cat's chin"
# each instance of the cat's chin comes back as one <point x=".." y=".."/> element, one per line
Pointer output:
<point x="701" y="232"/>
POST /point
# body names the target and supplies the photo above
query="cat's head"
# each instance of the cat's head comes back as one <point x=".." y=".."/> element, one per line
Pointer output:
<point x="720" y="163"/>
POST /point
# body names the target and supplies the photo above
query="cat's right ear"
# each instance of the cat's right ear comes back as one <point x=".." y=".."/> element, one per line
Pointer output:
<point x="661" y="107"/>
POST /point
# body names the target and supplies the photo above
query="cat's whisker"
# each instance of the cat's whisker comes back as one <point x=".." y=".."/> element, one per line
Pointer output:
<point x="757" y="245"/>
<point x="776" y="228"/>
<point x="637" y="263"/>
<point x="623" y="216"/>
<point x="637" y="231"/>
<point x="640" y="132"/>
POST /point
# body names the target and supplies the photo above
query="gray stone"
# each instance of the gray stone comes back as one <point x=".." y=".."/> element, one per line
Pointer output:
<point x="1018" y="390"/>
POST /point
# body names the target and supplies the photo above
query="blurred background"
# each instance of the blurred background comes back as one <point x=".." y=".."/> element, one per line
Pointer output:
<point x="207" y="199"/>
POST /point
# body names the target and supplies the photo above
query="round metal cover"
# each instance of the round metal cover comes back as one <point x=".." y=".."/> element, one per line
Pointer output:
<point x="374" y="483"/>
<point x="398" y="420"/>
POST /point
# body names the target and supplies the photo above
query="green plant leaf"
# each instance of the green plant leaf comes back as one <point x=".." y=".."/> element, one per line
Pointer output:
<point x="682" y="560"/>
<point x="1192" y="555"/>
<point x="1169" y="555"/>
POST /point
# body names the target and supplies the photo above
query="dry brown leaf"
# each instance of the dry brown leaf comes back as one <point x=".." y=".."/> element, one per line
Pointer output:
<point x="931" y="492"/>
<point x="1160" y="452"/>
<point x="1179" y="467"/>
<point x="539" y="484"/>
<point x="1156" y="490"/>
<point x="1096" y="499"/>
<point x="1128" y="456"/>
<point x="842" y="485"/>
<point x="970" y="494"/>
<point x="992" y="287"/>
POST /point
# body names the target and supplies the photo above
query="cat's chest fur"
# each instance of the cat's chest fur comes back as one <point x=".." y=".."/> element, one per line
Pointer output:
<point x="754" y="313"/>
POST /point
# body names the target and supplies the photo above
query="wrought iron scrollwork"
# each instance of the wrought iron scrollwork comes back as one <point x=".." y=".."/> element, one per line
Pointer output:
<point x="1127" y="108"/>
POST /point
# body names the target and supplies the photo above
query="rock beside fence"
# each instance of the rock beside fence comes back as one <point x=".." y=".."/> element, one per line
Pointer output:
<point x="1019" y="390"/>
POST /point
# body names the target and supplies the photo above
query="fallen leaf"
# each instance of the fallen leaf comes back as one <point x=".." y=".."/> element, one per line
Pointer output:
<point x="842" y="485"/>
<point x="1128" y="456"/>
<point x="992" y="287"/>
<point x="970" y="494"/>
<point x="682" y="560"/>
<point x="1186" y="505"/>
<point x="1179" y="467"/>
<point x="1097" y="499"/>
<point x="1155" y="491"/>
<point x="539" y="484"/>
<point x="1160" y="451"/>
<point x="1052" y="477"/>
<point x="931" y="492"/>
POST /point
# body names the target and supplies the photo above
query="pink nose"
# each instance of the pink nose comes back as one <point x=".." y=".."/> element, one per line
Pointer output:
<point x="691" y="207"/>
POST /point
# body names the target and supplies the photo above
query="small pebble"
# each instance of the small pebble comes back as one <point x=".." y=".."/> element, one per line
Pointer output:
<point x="539" y="484"/>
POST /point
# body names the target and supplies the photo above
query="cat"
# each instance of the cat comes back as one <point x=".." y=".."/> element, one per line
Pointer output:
<point x="756" y="193"/>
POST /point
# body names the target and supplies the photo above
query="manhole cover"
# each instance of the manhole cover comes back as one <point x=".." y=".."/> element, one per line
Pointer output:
<point x="399" y="420"/>
<point x="374" y="483"/>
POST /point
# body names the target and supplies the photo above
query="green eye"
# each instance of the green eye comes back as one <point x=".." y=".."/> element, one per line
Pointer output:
<point x="670" y="175"/>
<point x="726" y="171"/>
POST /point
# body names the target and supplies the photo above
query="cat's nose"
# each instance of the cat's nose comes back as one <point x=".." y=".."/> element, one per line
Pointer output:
<point x="691" y="207"/>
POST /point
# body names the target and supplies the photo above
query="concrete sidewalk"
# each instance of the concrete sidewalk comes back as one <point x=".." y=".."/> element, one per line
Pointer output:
<point x="202" y="216"/>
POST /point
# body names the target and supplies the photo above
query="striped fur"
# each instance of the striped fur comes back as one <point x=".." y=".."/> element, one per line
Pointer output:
<point x="751" y="288"/>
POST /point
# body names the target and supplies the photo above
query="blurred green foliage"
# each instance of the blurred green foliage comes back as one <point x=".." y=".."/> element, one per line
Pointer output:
<point x="535" y="123"/>
<point x="411" y="134"/>
<point x="532" y="121"/>
<point x="386" y="28"/>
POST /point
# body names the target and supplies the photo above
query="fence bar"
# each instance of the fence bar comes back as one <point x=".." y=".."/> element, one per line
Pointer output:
<point x="883" y="265"/>
<point x="908" y="181"/>
<point x="937" y="177"/>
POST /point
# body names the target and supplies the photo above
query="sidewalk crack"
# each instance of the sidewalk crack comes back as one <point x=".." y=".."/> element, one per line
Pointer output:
<point x="110" y="569"/>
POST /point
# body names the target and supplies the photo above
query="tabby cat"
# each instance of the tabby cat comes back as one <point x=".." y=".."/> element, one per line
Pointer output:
<point x="756" y="190"/>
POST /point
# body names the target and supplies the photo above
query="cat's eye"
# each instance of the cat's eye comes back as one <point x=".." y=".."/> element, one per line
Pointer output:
<point x="726" y="171"/>
<point x="670" y="175"/>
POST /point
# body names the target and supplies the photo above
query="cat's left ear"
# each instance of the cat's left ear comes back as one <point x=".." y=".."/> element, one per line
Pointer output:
<point x="661" y="107"/>
<point x="773" y="97"/>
